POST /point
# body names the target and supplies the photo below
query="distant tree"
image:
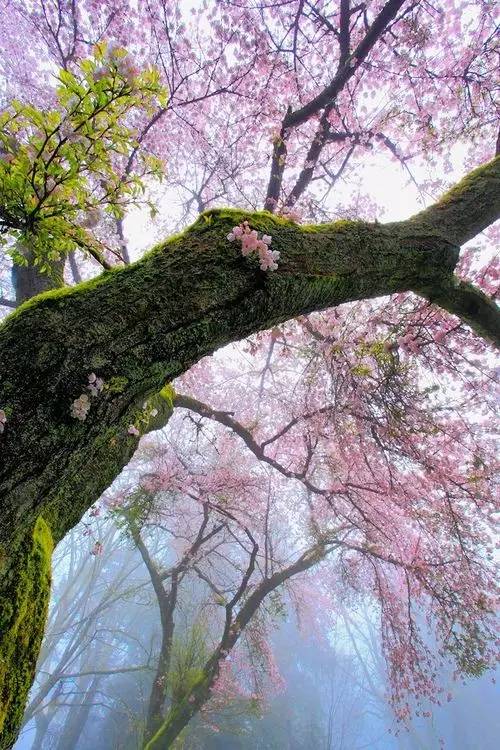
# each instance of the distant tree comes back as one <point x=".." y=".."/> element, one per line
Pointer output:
<point x="83" y="647"/>
<point x="191" y="668"/>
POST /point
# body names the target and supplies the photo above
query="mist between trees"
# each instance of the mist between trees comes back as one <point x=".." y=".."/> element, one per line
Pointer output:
<point x="324" y="684"/>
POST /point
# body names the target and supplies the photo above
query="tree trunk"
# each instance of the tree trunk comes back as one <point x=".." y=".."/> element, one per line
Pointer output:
<point x="141" y="326"/>
<point x="77" y="718"/>
<point x="27" y="280"/>
<point x="167" y="601"/>
<point x="157" y="695"/>
<point x="181" y="713"/>
<point x="24" y="600"/>
<point x="42" y="724"/>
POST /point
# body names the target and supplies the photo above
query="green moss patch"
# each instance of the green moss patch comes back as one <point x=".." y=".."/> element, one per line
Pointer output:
<point x="24" y="597"/>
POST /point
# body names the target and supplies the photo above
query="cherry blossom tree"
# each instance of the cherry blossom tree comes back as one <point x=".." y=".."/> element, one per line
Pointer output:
<point x="242" y="572"/>
<point x="277" y="106"/>
<point x="329" y="420"/>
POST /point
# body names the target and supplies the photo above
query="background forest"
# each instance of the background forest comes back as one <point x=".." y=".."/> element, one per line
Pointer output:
<point x="329" y="689"/>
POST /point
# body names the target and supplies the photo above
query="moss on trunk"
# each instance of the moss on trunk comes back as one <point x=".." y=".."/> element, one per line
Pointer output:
<point x="23" y="609"/>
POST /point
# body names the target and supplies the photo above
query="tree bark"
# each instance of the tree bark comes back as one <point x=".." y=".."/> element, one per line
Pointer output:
<point x="24" y="598"/>
<point x="141" y="326"/>
<point x="27" y="280"/>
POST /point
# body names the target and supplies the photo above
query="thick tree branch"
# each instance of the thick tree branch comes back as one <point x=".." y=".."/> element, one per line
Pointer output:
<point x="469" y="304"/>
<point x="344" y="38"/>
<point x="468" y="208"/>
<point x="278" y="161"/>
<point x="346" y="70"/>
<point x="140" y="326"/>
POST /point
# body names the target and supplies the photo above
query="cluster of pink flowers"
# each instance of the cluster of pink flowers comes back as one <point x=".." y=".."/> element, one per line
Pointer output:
<point x="81" y="406"/>
<point x="250" y="243"/>
<point x="3" y="420"/>
<point x="409" y="344"/>
<point x="95" y="385"/>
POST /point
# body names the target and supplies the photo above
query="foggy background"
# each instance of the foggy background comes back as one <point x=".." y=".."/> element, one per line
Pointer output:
<point x="98" y="659"/>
